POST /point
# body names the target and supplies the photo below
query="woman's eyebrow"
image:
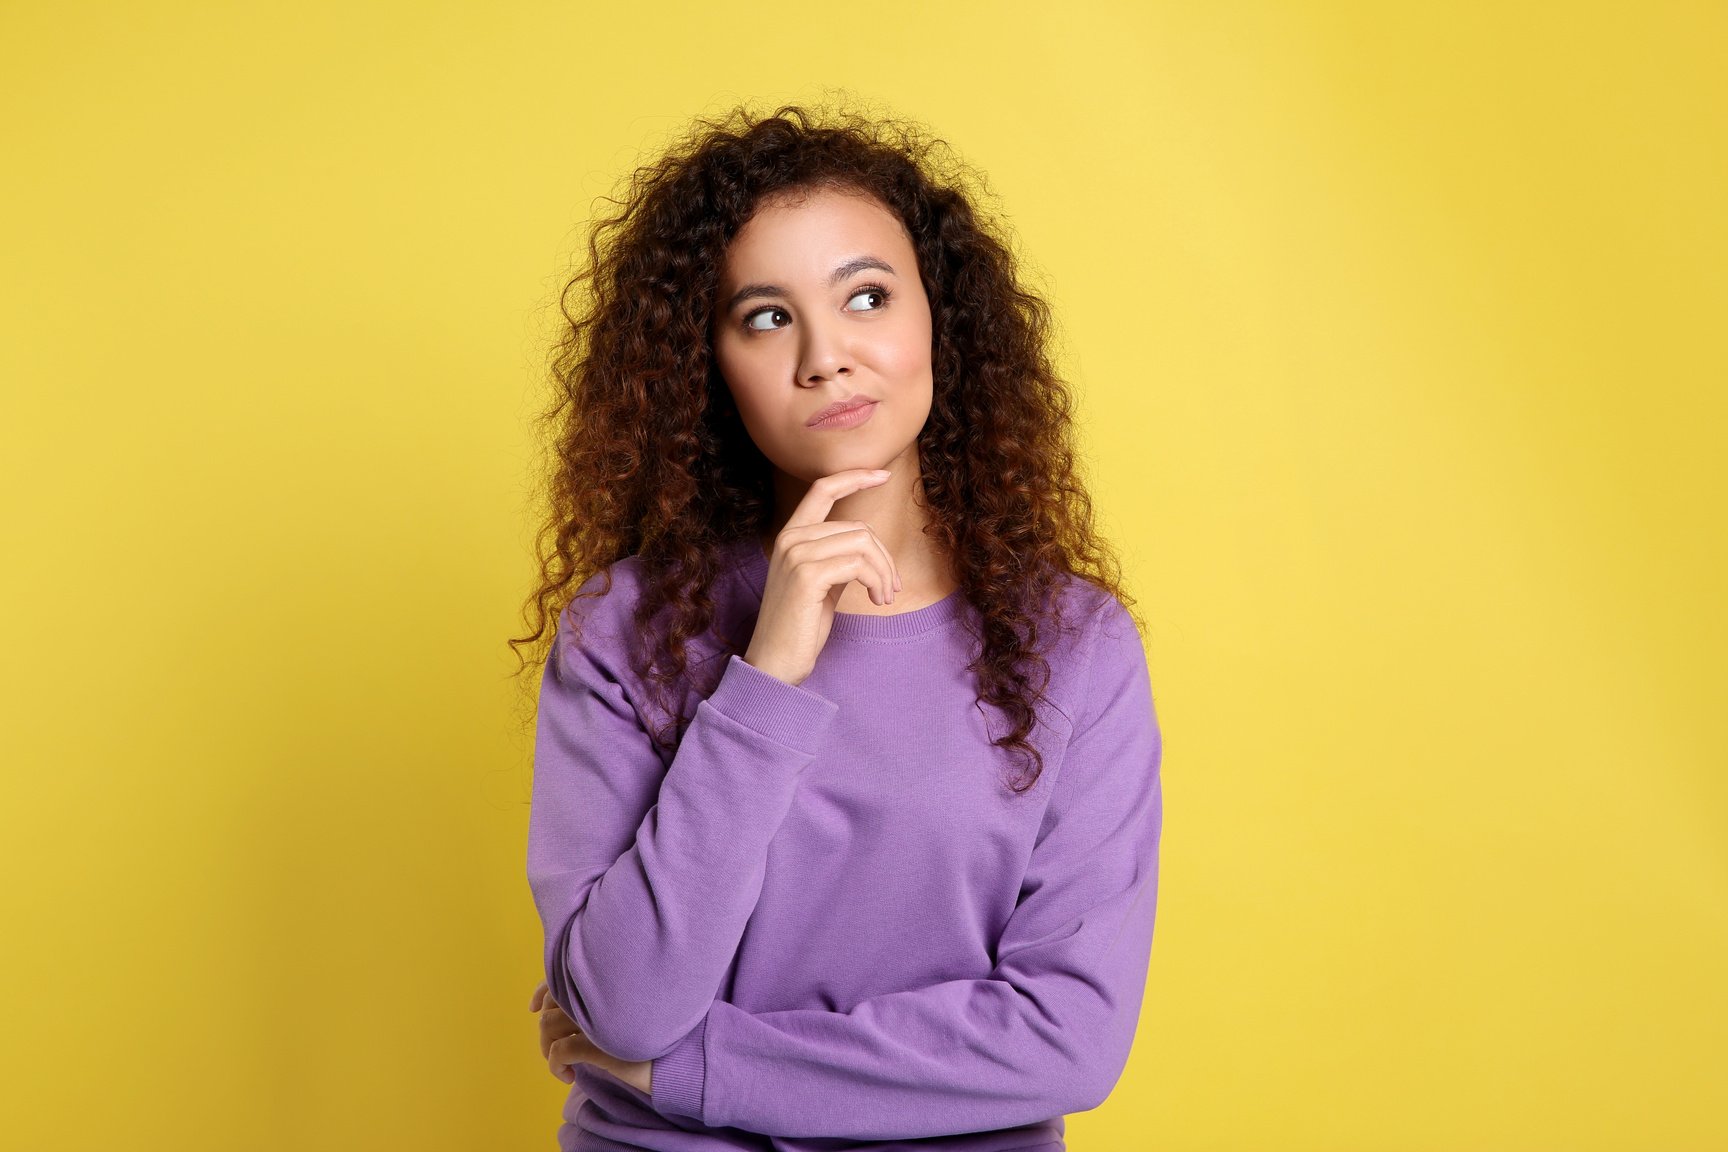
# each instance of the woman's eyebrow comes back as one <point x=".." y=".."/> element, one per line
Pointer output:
<point x="851" y="267"/>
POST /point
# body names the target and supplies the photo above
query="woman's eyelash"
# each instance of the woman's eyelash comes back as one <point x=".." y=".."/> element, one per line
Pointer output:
<point x="862" y="288"/>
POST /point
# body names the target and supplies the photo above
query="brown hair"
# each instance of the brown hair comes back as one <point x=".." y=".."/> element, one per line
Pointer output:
<point x="650" y="458"/>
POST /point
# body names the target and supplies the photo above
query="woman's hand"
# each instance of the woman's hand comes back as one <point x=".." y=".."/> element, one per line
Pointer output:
<point x="563" y="1044"/>
<point x="814" y="559"/>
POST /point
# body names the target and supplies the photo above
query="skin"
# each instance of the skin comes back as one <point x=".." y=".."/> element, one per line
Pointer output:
<point x="845" y="538"/>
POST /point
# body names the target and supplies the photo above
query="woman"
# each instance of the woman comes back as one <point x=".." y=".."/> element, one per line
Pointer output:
<point x="835" y="575"/>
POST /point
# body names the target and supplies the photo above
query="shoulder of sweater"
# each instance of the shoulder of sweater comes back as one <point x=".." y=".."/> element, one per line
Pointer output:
<point x="1086" y="610"/>
<point x="1115" y="654"/>
<point x="608" y="597"/>
<point x="1089" y="608"/>
<point x="1104" y="631"/>
<point x="602" y="612"/>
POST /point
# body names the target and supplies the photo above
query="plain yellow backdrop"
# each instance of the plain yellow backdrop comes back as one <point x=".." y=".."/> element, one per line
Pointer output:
<point x="1398" y="333"/>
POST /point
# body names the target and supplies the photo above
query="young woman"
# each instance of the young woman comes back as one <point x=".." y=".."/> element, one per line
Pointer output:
<point x="835" y="576"/>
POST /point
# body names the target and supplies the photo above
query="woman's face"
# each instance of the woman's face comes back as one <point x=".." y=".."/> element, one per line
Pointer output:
<point x="819" y="300"/>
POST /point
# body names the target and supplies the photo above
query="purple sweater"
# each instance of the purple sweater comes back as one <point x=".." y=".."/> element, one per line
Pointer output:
<point x="826" y="919"/>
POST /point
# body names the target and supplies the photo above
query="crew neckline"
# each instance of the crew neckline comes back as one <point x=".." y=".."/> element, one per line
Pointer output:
<point x="859" y="625"/>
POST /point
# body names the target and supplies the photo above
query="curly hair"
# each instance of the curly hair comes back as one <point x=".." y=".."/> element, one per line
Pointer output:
<point x="650" y="458"/>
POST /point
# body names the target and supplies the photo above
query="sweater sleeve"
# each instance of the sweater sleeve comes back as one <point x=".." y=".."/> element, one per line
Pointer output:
<point x="1046" y="1033"/>
<point x="645" y="874"/>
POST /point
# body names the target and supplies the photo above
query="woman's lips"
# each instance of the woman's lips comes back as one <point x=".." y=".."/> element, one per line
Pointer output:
<point x="850" y="418"/>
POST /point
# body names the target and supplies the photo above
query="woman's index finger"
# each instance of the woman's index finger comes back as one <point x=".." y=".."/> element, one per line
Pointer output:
<point x="818" y="502"/>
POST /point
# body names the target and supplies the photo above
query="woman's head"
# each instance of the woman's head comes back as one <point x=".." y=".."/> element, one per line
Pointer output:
<point x="819" y="301"/>
<point x="672" y="422"/>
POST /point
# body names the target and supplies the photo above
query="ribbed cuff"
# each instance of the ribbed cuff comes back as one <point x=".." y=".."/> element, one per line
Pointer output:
<point x="788" y="714"/>
<point x="679" y="1076"/>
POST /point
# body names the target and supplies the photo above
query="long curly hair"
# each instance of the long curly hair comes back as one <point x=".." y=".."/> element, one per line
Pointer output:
<point x="649" y="457"/>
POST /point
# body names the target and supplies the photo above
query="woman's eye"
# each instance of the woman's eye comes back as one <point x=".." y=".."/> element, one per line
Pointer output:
<point x="870" y="290"/>
<point x="750" y="320"/>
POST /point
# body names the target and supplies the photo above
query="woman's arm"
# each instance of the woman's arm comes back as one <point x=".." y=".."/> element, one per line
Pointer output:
<point x="645" y="876"/>
<point x="1046" y="1033"/>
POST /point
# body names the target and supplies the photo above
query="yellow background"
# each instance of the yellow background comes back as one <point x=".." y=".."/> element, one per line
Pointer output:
<point x="1398" y="331"/>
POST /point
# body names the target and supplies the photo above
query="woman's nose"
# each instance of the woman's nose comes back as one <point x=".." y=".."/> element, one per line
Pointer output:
<point x="823" y="354"/>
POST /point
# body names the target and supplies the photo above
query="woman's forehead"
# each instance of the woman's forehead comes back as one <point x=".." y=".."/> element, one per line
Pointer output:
<point x="814" y="232"/>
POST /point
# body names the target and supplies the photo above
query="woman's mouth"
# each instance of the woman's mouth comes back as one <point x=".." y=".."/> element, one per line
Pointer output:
<point x="847" y="417"/>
